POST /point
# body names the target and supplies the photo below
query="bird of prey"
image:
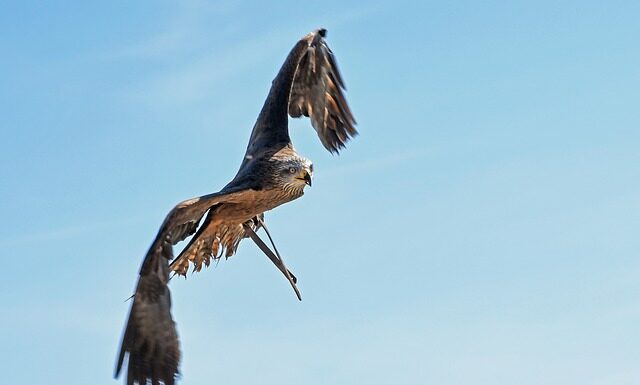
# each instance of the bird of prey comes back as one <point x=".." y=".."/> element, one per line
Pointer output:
<point x="271" y="173"/>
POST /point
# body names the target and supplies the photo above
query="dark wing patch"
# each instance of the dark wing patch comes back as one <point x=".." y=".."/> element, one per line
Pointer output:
<point x="150" y="339"/>
<point x="317" y="92"/>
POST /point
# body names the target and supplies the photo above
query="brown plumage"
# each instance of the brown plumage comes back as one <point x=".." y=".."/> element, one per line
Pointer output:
<point x="272" y="173"/>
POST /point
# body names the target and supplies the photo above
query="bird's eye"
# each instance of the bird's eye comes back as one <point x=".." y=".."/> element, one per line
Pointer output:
<point x="311" y="167"/>
<point x="292" y="170"/>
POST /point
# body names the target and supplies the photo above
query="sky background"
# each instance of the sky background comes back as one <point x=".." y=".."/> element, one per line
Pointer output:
<point x="482" y="229"/>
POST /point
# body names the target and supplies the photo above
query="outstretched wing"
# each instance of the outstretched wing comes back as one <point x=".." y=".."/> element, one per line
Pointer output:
<point x="150" y="339"/>
<point x="308" y="84"/>
<point x="317" y="92"/>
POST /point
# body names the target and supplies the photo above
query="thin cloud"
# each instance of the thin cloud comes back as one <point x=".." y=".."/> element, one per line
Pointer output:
<point x="203" y="73"/>
<point x="377" y="163"/>
<point x="194" y="80"/>
<point x="64" y="233"/>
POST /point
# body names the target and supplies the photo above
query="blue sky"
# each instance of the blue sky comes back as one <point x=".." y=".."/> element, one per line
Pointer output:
<point x="483" y="229"/>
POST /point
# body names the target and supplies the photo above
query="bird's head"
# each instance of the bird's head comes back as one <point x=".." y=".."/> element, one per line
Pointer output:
<point x="296" y="173"/>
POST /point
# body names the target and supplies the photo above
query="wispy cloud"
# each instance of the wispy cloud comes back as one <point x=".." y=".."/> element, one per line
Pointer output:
<point x="65" y="232"/>
<point x="195" y="72"/>
<point x="181" y="32"/>
<point x="195" y="79"/>
<point x="376" y="163"/>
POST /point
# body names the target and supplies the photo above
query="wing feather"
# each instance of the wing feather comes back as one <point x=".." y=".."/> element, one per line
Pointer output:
<point x="150" y="338"/>
<point x="317" y="92"/>
<point x="308" y="84"/>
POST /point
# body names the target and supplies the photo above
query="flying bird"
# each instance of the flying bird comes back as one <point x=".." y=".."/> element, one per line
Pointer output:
<point x="272" y="173"/>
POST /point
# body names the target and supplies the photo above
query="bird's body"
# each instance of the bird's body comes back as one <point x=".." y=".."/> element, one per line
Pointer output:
<point x="223" y="229"/>
<point x="272" y="173"/>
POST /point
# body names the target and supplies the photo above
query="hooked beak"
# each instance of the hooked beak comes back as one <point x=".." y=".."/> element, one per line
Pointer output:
<point x="307" y="178"/>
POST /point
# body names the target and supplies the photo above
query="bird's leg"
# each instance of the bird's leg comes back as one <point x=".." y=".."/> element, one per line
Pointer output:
<point x="275" y="258"/>
<point x="266" y="230"/>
